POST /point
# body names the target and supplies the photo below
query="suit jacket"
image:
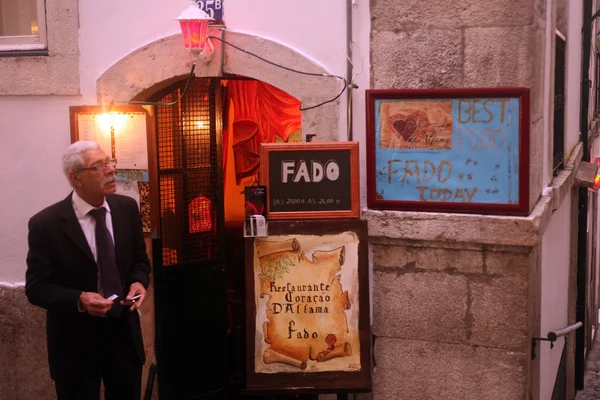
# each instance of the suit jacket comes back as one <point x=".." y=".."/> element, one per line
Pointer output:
<point x="60" y="266"/>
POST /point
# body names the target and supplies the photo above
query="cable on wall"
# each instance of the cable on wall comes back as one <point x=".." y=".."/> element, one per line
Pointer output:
<point x="291" y="70"/>
<point x="191" y="76"/>
<point x="171" y="103"/>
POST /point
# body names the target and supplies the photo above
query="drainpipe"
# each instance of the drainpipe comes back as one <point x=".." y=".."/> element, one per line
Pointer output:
<point x="349" y="66"/>
<point x="582" y="208"/>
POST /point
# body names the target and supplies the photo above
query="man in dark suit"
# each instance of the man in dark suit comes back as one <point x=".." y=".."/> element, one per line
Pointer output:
<point x="83" y="251"/>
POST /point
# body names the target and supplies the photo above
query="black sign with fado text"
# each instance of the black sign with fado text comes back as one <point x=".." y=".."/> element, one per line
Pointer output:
<point x="310" y="179"/>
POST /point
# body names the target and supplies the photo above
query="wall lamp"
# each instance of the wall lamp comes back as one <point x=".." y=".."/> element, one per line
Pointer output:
<point x="194" y="27"/>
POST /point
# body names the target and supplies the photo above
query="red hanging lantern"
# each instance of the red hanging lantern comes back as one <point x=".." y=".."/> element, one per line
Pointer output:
<point x="200" y="215"/>
<point x="194" y="27"/>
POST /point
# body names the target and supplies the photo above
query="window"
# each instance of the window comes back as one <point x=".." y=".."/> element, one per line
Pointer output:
<point x="559" y="105"/>
<point x="597" y="89"/>
<point x="22" y="25"/>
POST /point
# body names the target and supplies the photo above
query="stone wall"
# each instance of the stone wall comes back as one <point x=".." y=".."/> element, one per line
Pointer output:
<point x="23" y="357"/>
<point x="24" y="373"/>
<point x="456" y="298"/>
<point x="56" y="73"/>
<point x="468" y="43"/>
<point x="451" y="320"/>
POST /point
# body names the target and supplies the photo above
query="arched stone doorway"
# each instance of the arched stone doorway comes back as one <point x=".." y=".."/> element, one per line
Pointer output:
<point x="160" y="69"/>
<point x="165" y="61"/>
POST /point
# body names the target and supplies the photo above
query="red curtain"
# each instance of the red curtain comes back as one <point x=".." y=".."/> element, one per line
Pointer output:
<point x="258" y="113"/>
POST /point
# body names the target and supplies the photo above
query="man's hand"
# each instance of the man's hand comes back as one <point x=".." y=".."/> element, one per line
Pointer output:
<point x="135" y="289"/>
<point x="94" y="304"/>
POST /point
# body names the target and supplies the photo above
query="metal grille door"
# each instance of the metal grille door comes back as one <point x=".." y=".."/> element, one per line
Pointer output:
<point x="188" y="172"/>
<point x="188" y="255"/>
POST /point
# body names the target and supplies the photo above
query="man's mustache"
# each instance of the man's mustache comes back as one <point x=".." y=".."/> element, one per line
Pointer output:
<point x="108" y="180"/>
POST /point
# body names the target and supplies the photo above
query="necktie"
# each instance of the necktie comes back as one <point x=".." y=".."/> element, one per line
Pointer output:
<point x="107" y="261"/>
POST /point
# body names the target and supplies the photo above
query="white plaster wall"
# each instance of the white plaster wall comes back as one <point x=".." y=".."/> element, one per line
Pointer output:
<point x="555" y="284"/>
<point x="573" y="88"/>
<point x="362" y="66"/>
<point x="109" y="30"/>
<point x="35" y="130"/>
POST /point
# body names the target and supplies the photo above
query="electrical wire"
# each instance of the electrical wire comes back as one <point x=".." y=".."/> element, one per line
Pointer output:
<point x="171" y="103"/>
<point x="352" y="86"/>
<point x="191" y="76"/>
<point x="291" y="70"/>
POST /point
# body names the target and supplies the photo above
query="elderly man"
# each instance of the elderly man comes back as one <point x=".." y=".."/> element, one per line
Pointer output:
<point x="86" y="262"/>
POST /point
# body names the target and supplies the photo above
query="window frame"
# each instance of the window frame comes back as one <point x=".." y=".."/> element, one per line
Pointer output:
<point x="28" y="42"/>
<point x="559" y="103"/>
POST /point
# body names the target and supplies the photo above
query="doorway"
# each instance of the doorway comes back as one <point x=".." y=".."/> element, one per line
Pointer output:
<point x="206" y="150"/>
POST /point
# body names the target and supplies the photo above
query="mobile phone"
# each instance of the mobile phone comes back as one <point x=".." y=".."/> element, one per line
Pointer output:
<point x="128" y="302"/>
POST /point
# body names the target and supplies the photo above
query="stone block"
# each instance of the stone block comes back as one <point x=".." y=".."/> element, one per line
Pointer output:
<point x="454" y="228"/>
<point x="391" y="14"/>
<point x="506" y="264"/>
<point x="562" y="16"/>
<point x="426" y="306"/>
<point x="416" y="59"/>
<point x="8" y="359"/>
<point x="58" y="75"/>
<point x="427" y="258"/>
<point x="499" y="313"/>
<point x="499" y="56"/>
<point x="62" y="20"/>
<point x="408" y="370"/>
<point x="155" y="66"/>
<point x="537" y="62"/>
<point x="322" y="122"/>
<point x="536" y="169"/>
<point x="496" y="13"/>
<point x="33" y="376"/>
<point x="24" y="370"/>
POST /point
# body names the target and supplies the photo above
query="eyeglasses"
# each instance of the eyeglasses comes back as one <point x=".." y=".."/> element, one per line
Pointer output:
<point x="100" y="167"/>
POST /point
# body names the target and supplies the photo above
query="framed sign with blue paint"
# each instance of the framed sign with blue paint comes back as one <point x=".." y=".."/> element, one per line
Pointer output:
<point x="448" y="150"/>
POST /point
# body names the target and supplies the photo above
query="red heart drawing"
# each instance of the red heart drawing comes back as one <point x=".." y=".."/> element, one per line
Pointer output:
<point x="405" y="128"/>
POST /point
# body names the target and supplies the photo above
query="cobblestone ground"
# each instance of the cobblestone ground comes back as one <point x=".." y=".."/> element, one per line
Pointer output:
<point x="592" y="376"/>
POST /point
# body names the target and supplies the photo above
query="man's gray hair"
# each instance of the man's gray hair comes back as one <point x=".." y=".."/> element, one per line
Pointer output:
<point x="73" y="157"/>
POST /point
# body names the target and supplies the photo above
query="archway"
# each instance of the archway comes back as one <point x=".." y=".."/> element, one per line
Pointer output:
<point x="132" y="78"/>
<point x="165" y="61"/>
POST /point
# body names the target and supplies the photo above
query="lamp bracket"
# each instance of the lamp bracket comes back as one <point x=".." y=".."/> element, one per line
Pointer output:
<point x="205" y="55"/>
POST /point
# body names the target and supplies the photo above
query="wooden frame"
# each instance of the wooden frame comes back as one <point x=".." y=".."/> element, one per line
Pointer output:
<point x="353" y="184"/>
<point x="459" y="125"/>
<point x="296" y="378"/>
<point x="75" y="111"/>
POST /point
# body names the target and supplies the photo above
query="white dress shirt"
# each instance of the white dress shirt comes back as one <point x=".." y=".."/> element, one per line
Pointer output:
<point x="88" y="225"/>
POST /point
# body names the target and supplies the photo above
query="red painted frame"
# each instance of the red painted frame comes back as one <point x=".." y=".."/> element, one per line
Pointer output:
<point x="522" y="208"/>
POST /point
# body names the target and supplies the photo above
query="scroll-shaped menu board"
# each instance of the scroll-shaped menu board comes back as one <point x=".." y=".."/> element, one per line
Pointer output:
<point x="307" y="302"/>
<point x="311" y="180"/>
<point x="464" y="150"/>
